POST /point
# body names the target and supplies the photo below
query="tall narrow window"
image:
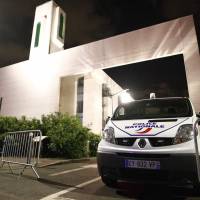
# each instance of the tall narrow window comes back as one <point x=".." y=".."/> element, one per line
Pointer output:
<point x="80" y="91"/>
<point x="61" y="26"/>
<point x="1" y="99"/>
<point x="37" y="34"/>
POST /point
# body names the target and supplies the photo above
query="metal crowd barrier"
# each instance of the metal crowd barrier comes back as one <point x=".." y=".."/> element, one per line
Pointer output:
<point x="23" y="148"/>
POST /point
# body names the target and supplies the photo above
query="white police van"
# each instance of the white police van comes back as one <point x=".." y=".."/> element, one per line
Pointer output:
<point x="150" y="140"/>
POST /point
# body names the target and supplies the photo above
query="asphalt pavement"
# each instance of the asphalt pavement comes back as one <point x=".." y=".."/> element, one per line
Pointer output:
<point x="79" y="181"/>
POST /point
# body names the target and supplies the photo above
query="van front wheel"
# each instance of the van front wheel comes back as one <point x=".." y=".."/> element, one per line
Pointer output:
<point x="109" y="182"/>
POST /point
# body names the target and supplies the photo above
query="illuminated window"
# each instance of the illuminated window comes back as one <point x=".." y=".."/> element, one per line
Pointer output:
<point x="61" y="26"/>
<point x="37" y="34"/>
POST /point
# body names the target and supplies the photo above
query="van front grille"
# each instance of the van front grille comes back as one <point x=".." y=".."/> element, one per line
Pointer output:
<point x="155" y="142"/>
<point x="159" y="142"/>
<point x="125" y="141"/>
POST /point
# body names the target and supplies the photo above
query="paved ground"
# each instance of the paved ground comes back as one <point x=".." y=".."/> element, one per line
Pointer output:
<point x="78" y="181"/>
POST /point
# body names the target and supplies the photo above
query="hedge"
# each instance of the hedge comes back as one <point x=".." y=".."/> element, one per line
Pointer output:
<point x="67" y="137"/>
<point x="93" y="143"/>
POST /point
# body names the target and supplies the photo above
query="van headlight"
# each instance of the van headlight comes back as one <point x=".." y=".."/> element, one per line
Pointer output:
<point x="184" y="134"/>
<point x="109" y="135"/>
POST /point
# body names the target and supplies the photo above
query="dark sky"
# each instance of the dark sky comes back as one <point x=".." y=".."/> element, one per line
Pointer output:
<point x="87" y="21"/>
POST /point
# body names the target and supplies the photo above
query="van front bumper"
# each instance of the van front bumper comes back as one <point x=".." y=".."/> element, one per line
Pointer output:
<point x="173" y="167"/>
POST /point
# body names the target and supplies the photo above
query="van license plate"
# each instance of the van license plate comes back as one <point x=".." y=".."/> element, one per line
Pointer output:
<point x="142" y="164"/>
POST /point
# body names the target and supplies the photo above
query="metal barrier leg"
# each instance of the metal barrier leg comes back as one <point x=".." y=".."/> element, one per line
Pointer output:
<point x="22" y="170"/>
<point x="2" y="164"/>
<point x="10" y="168"/>
<point x="34" y="170"/>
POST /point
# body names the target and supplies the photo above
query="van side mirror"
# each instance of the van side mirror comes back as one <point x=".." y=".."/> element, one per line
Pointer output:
<point x="107" y="119"/>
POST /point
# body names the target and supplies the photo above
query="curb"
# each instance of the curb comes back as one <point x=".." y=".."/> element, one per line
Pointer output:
<point x="59" y="162"/>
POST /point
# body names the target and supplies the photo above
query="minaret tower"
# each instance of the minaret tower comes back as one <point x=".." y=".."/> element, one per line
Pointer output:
<point x="48" y="30"/>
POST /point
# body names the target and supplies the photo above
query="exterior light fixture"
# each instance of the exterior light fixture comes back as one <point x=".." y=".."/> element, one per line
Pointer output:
<point x="125" y="97"/>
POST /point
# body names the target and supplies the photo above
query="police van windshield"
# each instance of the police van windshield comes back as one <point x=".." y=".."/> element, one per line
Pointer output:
<point x="154" y="108"/>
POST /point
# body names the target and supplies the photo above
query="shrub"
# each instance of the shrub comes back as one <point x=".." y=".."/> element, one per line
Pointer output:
<point x="8" y="124"/>
<point x="66" y="136"/>
<point x="28" y="124"/>
<point x="94" y="141"/>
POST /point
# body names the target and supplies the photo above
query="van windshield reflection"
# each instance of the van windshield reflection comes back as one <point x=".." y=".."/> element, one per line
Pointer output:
<point x="154" y="108"/>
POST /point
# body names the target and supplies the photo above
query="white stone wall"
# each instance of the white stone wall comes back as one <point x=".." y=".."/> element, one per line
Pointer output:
<point x="32" y="87"/>
<point x="68" y="90"/>
<point x="92" y="102"/>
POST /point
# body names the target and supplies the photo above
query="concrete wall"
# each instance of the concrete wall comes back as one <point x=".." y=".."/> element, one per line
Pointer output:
<point x="32" y="87"/>
<point x="93" y="101"/>
<point x="92" y="104"/>
<point x="68" y="95"/>
<point x="29" y="90"/>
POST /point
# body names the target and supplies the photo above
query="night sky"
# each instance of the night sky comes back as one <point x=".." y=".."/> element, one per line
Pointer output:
<point x="87" y="21"/>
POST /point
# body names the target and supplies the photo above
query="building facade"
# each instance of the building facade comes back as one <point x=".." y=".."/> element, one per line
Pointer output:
<point x="90" y="97"/>
<point x="35" y="87"/>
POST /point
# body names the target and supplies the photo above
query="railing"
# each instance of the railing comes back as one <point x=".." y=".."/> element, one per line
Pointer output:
<point x="23" y="148"/>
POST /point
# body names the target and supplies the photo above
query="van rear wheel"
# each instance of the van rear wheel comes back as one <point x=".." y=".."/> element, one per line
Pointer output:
<point x="109" y="182"/>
